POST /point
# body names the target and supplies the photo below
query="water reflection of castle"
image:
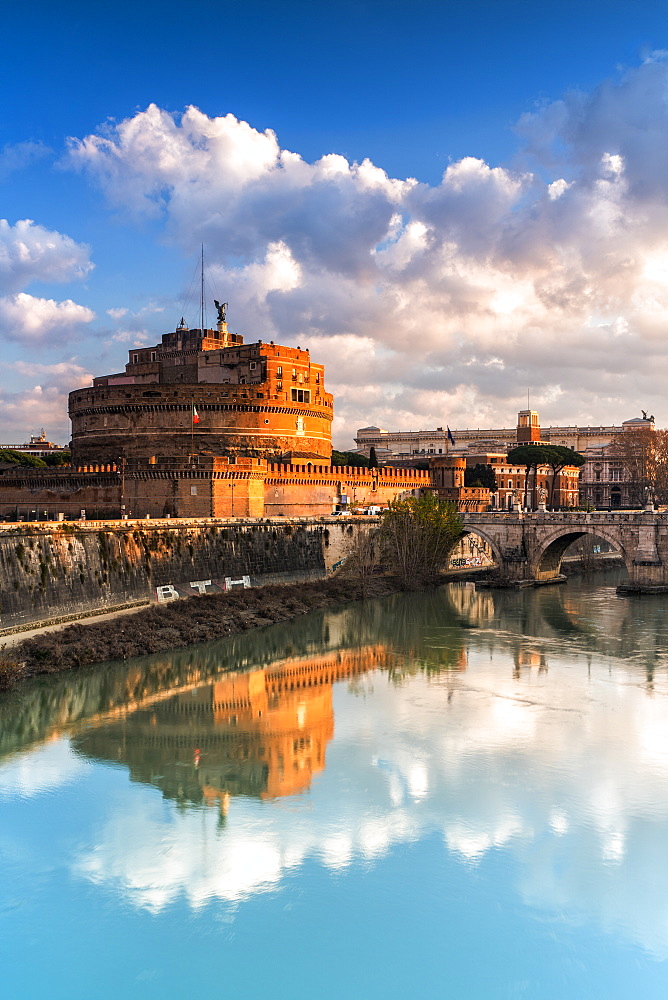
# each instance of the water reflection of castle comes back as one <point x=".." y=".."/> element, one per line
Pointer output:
<point x="262" y="733"/>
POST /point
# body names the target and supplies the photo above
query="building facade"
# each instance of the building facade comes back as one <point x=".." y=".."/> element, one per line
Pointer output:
<point x="391" y="445"/>
<point x="37" y="446"/>
<point x="601" y="482"/>
<point x="204" y="392"/>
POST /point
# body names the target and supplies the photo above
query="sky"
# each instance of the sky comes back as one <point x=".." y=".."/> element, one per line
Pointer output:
<point x="451" y="204"/>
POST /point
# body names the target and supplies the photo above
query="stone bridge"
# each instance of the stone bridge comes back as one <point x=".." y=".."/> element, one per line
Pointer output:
<point x="528" y="547"/>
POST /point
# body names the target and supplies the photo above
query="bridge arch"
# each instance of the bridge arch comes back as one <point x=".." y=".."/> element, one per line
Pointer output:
<point x="547" y="560"/>
<point x="488" y="538"/>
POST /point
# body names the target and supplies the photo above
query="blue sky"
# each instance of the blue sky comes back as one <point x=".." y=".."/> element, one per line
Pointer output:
<point x="538" y="261"/>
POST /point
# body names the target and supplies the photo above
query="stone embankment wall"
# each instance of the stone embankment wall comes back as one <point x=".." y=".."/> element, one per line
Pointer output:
<point x="53" y="570"/>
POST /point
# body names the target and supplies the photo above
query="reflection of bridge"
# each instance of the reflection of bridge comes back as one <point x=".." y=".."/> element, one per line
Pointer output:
<point x="530" y="546"/>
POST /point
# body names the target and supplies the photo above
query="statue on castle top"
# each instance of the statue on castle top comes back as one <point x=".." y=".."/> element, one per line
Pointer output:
<point x="222" y="310"/>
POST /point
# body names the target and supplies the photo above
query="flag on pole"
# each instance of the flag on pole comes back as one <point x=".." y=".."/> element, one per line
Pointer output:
<point x="450" y="437"/>
<point x="195" y="415"/>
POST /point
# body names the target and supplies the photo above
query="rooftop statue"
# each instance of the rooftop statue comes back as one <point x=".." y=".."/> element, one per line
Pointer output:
<point x="222" y="310"/>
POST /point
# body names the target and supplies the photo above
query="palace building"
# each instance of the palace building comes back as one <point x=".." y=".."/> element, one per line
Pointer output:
<point x="402" y="446"/>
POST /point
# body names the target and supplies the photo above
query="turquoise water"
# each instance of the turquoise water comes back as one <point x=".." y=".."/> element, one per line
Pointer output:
<point x="458" y="794"/>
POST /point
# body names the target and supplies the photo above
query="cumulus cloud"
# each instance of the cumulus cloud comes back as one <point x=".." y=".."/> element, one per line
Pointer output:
<point x="30" y="253"/>
<point x="26" y="318"/>
<point x="42" y="402"/>
<point x="551" y="274"/>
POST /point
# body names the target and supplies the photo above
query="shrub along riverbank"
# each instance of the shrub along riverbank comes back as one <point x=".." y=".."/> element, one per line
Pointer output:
<point x="177" y="624"/>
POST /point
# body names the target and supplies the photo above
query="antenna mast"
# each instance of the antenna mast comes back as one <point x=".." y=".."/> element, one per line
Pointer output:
<point x="202" y="293"/>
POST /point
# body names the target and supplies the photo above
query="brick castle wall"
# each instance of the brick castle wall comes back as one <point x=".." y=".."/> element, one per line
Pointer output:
<point x="246" y="487"/>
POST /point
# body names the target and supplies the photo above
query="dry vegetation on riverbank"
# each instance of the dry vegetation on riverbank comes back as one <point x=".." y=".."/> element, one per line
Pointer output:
<point x="178" y="624"/>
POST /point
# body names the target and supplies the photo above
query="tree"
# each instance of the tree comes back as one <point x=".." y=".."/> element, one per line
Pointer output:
<point x="480" y="475"/>
<point x="373" y="458"/>
<point x="530" y="456"/>
<point x="416" y="537"/>
<point x="349" y="458"/>
<point x="11" y="457"/>
<point x="643" y="456"/>
<point x="558" y="457"/>
<point x="58" y="458"/>
<point x="362" y="557"/>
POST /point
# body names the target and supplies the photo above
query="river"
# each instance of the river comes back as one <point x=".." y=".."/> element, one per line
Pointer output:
<point x="455" y="794"/>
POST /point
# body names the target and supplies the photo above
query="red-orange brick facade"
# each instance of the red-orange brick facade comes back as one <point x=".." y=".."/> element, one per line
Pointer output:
<point x="205" y="393"/>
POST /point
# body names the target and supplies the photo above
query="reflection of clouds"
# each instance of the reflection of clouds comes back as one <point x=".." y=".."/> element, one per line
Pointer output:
<point x="553" y="770"/>
<point x="182" y="853"/>
<point x="42" y="770"/>
<point x="473" y="843"/>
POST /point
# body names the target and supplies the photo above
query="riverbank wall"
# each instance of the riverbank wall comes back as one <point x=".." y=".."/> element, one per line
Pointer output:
<point x="51" y="570"/>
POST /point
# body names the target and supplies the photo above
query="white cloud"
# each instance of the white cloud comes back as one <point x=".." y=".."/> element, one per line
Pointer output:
<point x="43" y="402"/>
<point x="137" y="338"/>
<point x="29" y="252"/>
<point x="26" y="318"/>
<point x="552" y="272"/>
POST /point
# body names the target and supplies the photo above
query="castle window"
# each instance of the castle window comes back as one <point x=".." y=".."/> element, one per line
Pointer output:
<point x="279" y="386"/>
<point x="135" y="359"/>
<point x="301" y="395"/>
<point x="279" y="371"/>
<point x="152" y="355"/>
<point x="242" y="380"/>
<point x="294" y="374"/>
<point x="253" y="365"/>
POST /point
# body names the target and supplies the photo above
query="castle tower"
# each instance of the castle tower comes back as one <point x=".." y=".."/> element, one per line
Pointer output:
<point x="205" y="393"/>
<point x="448" y="471"/>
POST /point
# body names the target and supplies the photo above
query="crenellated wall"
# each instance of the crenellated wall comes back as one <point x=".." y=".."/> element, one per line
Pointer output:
<point x="207" y="487"/>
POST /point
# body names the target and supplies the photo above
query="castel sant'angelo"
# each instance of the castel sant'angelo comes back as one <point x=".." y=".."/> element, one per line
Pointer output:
<point x="204" y="425"/>
<point x="205" y="392"/>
